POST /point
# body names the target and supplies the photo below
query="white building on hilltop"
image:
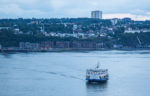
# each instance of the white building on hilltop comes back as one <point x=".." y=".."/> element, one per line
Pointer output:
<point x="114" y="21"/>
<point x="96" y="14"/>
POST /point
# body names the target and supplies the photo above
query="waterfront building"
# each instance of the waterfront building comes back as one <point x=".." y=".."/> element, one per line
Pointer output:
<point x="62" y="44"/>
<point x="96" y="14"/>
<point x="83" y="44"/>
<point x="28" y="45"/>
<point x="46" y="45"/>
<point x="117" y="46"/>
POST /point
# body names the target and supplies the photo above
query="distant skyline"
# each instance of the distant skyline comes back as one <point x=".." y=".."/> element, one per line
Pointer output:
<point x="137" y="10"/>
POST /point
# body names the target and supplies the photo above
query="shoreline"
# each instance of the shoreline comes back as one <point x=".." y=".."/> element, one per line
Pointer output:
<point x="75" y="49"/>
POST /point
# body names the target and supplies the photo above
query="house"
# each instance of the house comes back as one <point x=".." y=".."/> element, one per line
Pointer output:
<point x="6" y="28"/>
<point x="136" y="31"/>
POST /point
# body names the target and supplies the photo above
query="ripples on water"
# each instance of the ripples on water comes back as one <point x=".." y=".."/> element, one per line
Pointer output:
<point x="63" y="73"/>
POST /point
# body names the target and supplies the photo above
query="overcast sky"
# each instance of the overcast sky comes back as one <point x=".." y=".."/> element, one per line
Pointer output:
<point x="136" y="9"/>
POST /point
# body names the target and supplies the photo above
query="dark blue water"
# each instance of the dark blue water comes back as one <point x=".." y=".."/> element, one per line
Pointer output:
<point x="63" y="74"/>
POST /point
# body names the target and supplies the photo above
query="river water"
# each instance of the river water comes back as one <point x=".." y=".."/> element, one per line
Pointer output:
<point x="63" y="73"/>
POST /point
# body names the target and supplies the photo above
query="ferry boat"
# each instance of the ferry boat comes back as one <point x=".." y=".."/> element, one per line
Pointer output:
<point x="97" y="75"/>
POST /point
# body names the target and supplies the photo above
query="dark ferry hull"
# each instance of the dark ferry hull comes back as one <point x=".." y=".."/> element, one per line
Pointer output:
<point x="96" y="80"/>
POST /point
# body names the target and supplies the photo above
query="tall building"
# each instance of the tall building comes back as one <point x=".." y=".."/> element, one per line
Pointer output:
<point x="96" y="14"/>
<point x="0" y="46"/>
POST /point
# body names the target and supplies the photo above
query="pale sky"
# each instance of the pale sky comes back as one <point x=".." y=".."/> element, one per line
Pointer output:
<point x="135" y="9"/>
